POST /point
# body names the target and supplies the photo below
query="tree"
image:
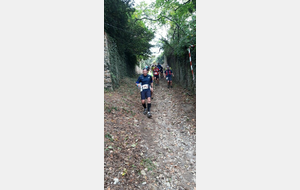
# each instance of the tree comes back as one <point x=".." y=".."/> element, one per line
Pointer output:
<point x="132" y="38"/>
<point x="180" y="17"/>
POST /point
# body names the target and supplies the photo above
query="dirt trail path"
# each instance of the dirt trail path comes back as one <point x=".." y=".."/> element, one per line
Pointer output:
<point x="170" y="138"/>
<point x="167" y="146"/>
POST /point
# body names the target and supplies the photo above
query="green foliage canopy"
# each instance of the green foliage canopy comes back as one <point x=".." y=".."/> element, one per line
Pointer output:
<point x="131" y="37"/>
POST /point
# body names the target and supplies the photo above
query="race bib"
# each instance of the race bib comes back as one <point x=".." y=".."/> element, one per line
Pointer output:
<point x="145" y="86"/>
<point x="155" y="73"/>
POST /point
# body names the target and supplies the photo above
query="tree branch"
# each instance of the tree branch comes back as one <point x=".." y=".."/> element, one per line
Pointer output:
<point x="160" y="19"/>
<point x="182" y="5"/>
<point x="167" y="43"/>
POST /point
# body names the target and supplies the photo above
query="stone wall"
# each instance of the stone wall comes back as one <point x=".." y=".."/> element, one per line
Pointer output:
<point x="115" y="67"/>
<point x="107" y="76"/>
<point x="182" y="70"/>
<point x="138" y="70"/>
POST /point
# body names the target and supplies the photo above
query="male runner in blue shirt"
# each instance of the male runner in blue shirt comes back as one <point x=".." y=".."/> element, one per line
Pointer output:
<point x="146" y="81"/>
<point x="169" y="74"/>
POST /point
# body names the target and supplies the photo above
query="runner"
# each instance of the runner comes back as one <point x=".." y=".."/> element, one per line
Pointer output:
<point x="168" y="76"/>
<point x="162" y="72"/>
<point x="153" y="67"/>
<point x="146" y="82"/>
<point x="160" y="67"/>
<point x="149" y="71"/>
<point x="151" y="74"/>
<point x="156" y="75"/>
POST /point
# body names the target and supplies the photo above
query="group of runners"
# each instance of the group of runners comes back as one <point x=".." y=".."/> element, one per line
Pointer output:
<point x="145" y="84"/>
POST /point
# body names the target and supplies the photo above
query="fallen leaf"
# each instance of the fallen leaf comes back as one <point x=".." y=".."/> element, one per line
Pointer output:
<point x="133" y="145"/>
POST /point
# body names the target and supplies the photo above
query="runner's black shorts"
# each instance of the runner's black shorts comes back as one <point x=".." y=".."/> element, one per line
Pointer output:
<point x="156" y="76"/>
<point x="145" y="94"/>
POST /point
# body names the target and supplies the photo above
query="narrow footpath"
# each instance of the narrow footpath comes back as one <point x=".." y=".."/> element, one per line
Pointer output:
<point x="170" y="138"/>
<point x="165" y="153"/>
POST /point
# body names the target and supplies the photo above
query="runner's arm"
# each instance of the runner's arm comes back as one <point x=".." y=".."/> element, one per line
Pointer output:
<point x="137" y="83"/>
